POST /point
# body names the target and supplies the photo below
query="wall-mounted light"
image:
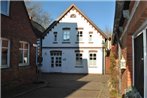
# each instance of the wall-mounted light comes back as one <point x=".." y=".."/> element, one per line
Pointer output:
<point x="123" y="63"/>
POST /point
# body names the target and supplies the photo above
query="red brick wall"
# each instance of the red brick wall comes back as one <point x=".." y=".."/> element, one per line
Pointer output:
<point x="138" y="18"/>
<point x="107" y="68"/>
<point x="16" y="27"/>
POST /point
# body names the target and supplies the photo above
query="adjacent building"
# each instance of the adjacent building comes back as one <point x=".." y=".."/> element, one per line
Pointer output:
<point x="73" y="44"/>
<point x="18" y="54"/>
<point x="130" y="45"/>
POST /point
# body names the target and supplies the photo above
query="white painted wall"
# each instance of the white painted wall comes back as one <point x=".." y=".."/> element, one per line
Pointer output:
<point x="69" y="61"/>
<point x="68" y="54"/>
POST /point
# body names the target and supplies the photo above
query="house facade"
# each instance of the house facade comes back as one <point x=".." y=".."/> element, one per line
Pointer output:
<point x="130" y="45"/>
<point x="17" y="59"/>
<point x="73" y="44"/>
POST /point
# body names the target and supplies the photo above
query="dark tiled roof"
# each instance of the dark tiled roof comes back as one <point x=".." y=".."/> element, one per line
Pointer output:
<point x="37" y="28"/>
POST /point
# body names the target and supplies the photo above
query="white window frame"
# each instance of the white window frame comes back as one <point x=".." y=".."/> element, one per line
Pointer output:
<point x="80" y="36"/>
<point x="8" y="54"/>
<point x="79" y="61"/>
<point x="8" y="8"/>
<point x="25" y="64"/>
<point x="67" y="34"/>
<point x="93" y="64"/>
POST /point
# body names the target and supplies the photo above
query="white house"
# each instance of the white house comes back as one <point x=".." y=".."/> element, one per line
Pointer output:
<point x="73" y="44"/>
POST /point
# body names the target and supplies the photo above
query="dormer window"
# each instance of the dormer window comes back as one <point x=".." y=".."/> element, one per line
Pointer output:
<point x="5" y="7"/>
<point x="72" y="16"/>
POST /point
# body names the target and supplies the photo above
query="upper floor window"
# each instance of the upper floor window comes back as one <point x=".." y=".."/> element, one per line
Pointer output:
<point x="72" y="16"/>
<point x="90" y="36"/>
<point x="24" y="53"/>
<point x="5" y="7"/>
<point x="66" y="35"/>
<point x="5" y="52"/>
<point x="79" y="36"/>
<point x="55" y="36"/>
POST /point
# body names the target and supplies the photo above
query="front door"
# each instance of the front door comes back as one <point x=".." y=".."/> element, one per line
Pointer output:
<point x="56" y="61"/>
<point x="139" y="64"/>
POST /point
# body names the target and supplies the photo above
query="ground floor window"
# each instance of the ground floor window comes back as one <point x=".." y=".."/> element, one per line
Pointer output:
<point x="79" y="60"/>
<point x="23" y="53"/>
<point x="92" y="59"/>
<point x="56" y="58"/>
<point x="5" y="52"/>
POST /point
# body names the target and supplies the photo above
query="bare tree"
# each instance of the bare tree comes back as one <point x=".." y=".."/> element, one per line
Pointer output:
<point x="36" y="13"/>
<point x="108" y="31"/>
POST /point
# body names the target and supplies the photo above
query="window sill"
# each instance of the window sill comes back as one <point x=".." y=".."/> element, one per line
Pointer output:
<point x="55" y="42"/>
<point x="90" y="42"/>
<point x="79" y="66"/>
<point x="24" y="64"/>
<point x="93" y="66"/>
<point x="4" y="67"/>
<point x="79" y="42"/>
<point x="65" y="42"/>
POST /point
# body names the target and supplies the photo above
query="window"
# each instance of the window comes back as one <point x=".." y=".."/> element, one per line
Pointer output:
<point x="55" y="36"/>
<point x="66" y="35"/>
<point x="23" y="53"/>
<point x="56" y="58"/>
<point x="5" y="7"/>
<point x="92" y="59"/>
<point x="72" y="16"/>
<point x="5" y="51"/>
<point x="78" y="58"/>
<point x="79" y="36"/>
<point x="90" y="36"/>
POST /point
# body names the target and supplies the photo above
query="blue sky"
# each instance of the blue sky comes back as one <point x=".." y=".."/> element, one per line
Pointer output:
<point x="100" y="12"/>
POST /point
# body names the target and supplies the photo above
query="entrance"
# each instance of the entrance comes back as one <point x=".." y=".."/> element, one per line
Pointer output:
<point x="56" y="61"/>
<point x="139" y="64"/>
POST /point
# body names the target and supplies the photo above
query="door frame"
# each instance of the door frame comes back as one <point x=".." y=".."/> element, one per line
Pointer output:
<point x="55" y="68"/>
<point x="141" y="30"/>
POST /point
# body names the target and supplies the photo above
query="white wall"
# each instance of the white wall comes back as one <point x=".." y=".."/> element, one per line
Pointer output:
<point x="68" y="53"/>
<point x="69" y="61"/>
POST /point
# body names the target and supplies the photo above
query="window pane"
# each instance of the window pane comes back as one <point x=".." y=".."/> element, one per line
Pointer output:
<point x="5" y="43"/>
<point x="20" y="45"/>
<point x="25" y="46"/>
<point x="20" y="56"/>
<point x="4" y="7"/>
<point x="26" y="56"/>
<point x="66" y="35"/>
<point x="4" y="56"/>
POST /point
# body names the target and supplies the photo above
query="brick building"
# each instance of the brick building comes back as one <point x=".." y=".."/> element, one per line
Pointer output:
<point x="130" y="45"/>
<point x="17" y="59"/>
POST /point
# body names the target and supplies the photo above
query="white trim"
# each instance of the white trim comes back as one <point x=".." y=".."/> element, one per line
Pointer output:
<point x="144" y="25"/>
<point x="131" y="16"/>
<point x="25" y="64"/>
<point x="133" y="58"/>
<point x="145" y="61"/>
<point x="135" y="35"/>
<point x="8" y="54"/>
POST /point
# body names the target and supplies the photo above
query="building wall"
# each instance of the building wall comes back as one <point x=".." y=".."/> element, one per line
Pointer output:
<point x="73" y="23"/>
<point x="69" y="61"/>
<point x="16" y="27"/>
<point x="138" y="18"/>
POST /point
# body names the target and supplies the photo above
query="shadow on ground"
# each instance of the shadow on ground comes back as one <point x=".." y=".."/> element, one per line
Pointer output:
<point x="69" y="86"/>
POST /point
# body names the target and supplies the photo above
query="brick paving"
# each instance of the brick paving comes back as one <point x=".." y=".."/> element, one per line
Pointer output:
<point x="65" y="86"/>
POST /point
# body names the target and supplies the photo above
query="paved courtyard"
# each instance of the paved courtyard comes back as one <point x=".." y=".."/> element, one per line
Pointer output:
<point x="69" y="86"/>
